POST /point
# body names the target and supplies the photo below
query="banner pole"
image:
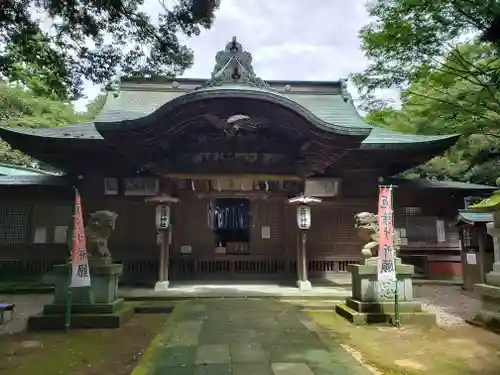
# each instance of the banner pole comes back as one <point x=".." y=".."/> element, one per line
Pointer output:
<point x="67" y="322"/>
<point x="69" y="296"/>
<point x="396" y="292"/>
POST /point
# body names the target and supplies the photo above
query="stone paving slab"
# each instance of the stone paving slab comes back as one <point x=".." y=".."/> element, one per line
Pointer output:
<point x="216" y="353"/>
<point x="249" y="353"/>
<point x="291" y="369"/>
<point x="252" y="369"/>
<point x="242" y="337"/>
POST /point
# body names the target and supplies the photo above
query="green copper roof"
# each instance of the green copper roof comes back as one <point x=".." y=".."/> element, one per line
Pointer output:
<point x="9" y="170"/>
<point x="331" y="108"/>
<point x="34" y="180"/>
<point x="489" y="204"/>
<point x="471" y="217"/>
<point x="421" y="183"/>
<point x="234" y="72"/>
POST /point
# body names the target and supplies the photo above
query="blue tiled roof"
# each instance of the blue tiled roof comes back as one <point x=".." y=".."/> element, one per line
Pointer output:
<point x="470" y="217"/>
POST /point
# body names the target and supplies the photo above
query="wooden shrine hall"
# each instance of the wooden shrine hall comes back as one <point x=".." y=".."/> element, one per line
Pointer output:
<point x="232" y="149"/>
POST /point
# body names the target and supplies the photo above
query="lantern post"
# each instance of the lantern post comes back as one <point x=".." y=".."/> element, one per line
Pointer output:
<point x="164" y="230"/>
<point x="303" y="223"/>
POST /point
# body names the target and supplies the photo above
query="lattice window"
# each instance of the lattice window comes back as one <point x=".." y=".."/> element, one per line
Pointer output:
<point x="63" y="214"/>
<point x="346" y="230"/>
<point x="14" y="224"/>
<point x="467" y="237"/>
<point x="421" y="229"/>
<point x="412" y="211"/>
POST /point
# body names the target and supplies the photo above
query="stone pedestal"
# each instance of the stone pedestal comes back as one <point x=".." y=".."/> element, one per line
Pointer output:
<point x="103" y="280"/>
<point x="96" y="306"/>
<point x="374" y="302"/>
<point x="161" y="286"/>
<point x="304" y="286"/>
<point x="489" y="293"/>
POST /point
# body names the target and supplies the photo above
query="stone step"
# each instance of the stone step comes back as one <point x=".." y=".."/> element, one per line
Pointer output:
<point x="361" y="318"/>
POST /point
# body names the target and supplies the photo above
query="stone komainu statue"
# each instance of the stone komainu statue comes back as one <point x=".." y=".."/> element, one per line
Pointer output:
<point x="97" y="231"/>
<point x="366" y="224"/>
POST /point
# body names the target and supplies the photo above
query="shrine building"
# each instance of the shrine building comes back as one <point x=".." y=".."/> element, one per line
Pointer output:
<point x="231" y="150"/>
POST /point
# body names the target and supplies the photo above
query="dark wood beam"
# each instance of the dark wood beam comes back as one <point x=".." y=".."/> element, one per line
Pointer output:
<point x="214" y="168"/>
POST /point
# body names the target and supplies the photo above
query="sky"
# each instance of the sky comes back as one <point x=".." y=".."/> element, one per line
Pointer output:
<point x="288" y="39"/>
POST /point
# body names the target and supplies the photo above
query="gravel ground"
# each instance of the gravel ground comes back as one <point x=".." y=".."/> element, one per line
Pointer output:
<point x="26" y="305"/>
<point x="450" y="303"/>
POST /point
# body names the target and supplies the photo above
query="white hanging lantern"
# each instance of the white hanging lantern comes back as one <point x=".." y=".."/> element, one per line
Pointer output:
<point x="162" y="216"/>
<point x="303" y="216"/>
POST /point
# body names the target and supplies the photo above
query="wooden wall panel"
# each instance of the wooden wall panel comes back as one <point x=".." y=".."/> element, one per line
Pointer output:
<point x="194" y="229"/>
<point x="135" y="234"/>
<point x="290" y="231"/>
<point x="267" y="213"/>
<point x="134" y="237"/>
<point x="332" y="234"/>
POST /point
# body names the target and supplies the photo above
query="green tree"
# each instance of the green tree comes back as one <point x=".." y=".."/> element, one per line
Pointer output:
<point x="21" y="108"/>
<point x="444" y="102"/>
<point x="444" y="56"/>
<point x="410" y="37"/>
<point x="95" y="106"/>
<point x="91" y="39"/>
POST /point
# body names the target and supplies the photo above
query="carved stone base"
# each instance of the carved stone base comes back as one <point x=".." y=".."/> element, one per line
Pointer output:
<point x="96" y="306"/>
<point x="304" y="285"/>
<point x="95" y="261"/>
<point x="161" y="286"/>
<point x="103" y="284"/>
<point x="489" y="295"/>
<point x="358" y="312"/>
<point x="373" y="301"/>
<point x="94" y="315"/>
<point x="366" y="287"/>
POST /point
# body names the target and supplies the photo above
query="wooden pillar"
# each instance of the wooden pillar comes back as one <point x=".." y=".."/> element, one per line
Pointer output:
<point x="164" y="255"/>
<point x="164" y="235"/>
<point x="303" y="223"/>
<point x="299" y="257"/>
<point x="481" y="242"/>
<point x="302" y="256"/>
<point x="302" y="281"/>
<point x="161" y="268"/>
<point x="160" y="238"/>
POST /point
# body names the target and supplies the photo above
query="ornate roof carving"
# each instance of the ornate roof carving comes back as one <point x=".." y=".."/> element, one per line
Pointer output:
<point x="343" y="91"/>
<point x="233" y="65"/>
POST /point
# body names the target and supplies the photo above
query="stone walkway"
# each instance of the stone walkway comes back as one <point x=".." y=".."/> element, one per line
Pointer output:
<point x="242" y="337"/>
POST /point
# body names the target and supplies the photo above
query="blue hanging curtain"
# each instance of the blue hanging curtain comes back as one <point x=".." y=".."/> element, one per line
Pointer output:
<point x="231" y="217"/>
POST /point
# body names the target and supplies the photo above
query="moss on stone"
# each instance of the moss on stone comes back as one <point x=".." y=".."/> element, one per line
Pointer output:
<point x="81" y="320"/>
<point x="82" y="352"/>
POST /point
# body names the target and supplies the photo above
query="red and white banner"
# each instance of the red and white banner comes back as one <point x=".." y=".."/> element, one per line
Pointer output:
<point x="80" y="275"/>
<point x="386" y="266"/>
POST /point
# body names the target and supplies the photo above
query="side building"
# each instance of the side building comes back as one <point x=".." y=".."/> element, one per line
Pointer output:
<point x="232" y="149"/>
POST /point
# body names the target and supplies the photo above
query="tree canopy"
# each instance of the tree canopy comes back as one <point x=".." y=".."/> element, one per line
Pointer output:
<point x="92" y="39"/>
<point x="443" y="57"/>
<point x="21" y="108"/>
<point x="410" y="37"/>
<point x="444" y="102"/>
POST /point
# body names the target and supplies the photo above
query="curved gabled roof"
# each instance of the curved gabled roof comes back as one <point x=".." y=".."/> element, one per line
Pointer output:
<point x="76" y="131"/>
<point x="326" y="106"/>
<point x="321" y="120"/>
<point x="330" y="109"/>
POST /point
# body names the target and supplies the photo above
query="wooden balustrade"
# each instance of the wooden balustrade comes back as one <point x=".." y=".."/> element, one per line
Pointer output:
<point x="145" y="271"/>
